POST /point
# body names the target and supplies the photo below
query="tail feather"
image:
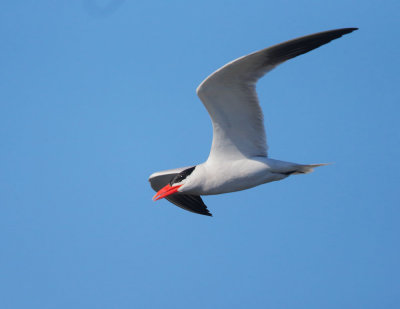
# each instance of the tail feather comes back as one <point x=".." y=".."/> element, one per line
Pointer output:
<point x="308" y="168"/>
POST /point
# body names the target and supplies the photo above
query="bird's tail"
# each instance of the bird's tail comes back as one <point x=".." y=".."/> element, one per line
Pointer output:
<point x="308" y="168"/>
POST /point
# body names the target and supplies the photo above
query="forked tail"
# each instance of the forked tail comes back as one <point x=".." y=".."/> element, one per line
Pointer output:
<point x="308" y="168"/>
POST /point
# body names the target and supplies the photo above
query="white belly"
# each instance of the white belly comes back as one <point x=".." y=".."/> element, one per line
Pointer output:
<point x="239" y="175"/>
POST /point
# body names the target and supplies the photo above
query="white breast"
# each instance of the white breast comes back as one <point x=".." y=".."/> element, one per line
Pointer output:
<point x="216" y="178"/>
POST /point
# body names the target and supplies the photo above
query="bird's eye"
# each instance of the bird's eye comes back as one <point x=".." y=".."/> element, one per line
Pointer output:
<point x="182" y="175"/>
<point x="176" y="179"/>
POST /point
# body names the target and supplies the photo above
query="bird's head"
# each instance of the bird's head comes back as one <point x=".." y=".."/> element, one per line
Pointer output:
<point x="177" y="184"/>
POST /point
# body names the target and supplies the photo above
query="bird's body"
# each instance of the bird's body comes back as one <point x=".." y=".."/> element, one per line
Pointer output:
<point x="210" y="177"/>
<point x="238" y="158"/>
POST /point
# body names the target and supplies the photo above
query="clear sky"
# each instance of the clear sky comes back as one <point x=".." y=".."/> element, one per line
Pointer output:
<point x="97" y="95"/>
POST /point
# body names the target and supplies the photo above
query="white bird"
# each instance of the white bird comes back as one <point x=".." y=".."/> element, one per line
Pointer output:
<point x="238" y="158"/>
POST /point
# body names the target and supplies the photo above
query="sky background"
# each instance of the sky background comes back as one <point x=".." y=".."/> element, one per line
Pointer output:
<point x="97" y="95"/>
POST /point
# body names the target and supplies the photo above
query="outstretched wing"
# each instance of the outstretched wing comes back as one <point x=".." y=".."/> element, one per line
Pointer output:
<point x="229" y="95"/>
<point x="189" y="202"/>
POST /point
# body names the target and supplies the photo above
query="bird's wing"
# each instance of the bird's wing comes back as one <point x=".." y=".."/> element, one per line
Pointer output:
<point x="189" y="202"/>
<point x="229" y="95"/>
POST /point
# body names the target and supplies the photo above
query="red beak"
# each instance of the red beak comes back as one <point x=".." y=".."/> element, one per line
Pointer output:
<point x="164" y="192"/>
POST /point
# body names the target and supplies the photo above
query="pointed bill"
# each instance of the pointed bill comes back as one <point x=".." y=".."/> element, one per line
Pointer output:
<point x="164" y="192"/>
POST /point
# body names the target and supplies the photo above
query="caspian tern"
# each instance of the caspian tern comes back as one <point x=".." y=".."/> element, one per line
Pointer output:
<point x="238" y="158"/>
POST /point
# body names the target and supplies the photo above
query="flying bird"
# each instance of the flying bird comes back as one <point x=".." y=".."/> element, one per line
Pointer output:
<point x="238" y="159"/>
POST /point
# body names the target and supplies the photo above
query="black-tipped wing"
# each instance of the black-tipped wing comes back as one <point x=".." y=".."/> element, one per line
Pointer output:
<point x="284" y="51"/>
<point x="192" y="203"/>
<point x="229" y="95"/>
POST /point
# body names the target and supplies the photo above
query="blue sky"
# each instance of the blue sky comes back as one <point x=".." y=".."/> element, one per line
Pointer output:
<point x="97" y="95"/>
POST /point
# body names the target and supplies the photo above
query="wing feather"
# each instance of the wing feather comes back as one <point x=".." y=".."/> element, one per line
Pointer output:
<point x="230" y="97"/>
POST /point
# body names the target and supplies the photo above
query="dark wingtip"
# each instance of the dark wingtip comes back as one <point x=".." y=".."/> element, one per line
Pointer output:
<point x="204" y="212"/>
<point x="208" y="214"/>
<point x="348" y="30"/>
<point x="337" y="33"/>
<point x="293" y="48"/>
